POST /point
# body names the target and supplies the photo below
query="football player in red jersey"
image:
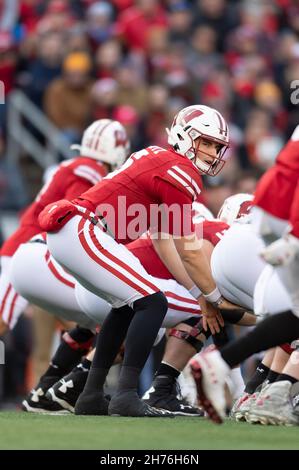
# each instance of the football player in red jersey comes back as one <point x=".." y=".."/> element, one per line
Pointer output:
<point x="104" y="142"/>
<point x="275" y="213"/>
<point x="104" y="147"/>
<point x="96" y="226"/>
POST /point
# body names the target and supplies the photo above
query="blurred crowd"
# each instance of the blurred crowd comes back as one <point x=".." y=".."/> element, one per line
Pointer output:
<point x="140" y="61"/>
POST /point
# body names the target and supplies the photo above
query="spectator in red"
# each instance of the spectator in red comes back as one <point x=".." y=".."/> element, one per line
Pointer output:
<point x="135" y="23"/>
<point x="58" y="17"/>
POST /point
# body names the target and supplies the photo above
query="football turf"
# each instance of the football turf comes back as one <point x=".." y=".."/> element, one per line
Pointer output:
<point x="27" y="431"/>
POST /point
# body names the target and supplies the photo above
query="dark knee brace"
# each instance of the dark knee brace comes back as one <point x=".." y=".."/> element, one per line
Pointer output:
<point x="221" y="339"/>
<point x="79" y="339"/>
<point x="190" y="336"/>
<point x="232" y="316"/>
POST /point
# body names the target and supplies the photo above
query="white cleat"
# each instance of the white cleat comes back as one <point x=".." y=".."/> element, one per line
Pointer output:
<point x="210" y="372"/>
<point x="273" y="406"/>
<point x="240" y="407"/>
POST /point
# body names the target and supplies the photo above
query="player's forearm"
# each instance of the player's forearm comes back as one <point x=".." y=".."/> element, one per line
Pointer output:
<point x="168" y="254"/>
<point x="198" y="268"/>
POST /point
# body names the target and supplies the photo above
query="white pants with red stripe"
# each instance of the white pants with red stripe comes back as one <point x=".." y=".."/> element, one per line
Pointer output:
<point x="181" y="304"/>
<point x="43" y="282"/>
<point x="100" y="264"/>
<point x="12" y="305"/>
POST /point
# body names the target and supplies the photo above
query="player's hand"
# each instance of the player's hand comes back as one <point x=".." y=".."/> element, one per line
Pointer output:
<point x="211" y="317"/>
<point x="281" y="252"/>
<point x="225" y="304"/>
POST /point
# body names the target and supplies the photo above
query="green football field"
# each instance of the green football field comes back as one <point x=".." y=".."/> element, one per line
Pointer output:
<point x="27" y="431"/>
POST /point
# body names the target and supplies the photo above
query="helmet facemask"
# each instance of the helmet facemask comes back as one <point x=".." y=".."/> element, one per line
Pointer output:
<point x="197" y="154"/>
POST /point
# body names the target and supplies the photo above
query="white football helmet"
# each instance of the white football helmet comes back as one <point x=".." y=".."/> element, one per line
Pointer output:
<point x="201" y="213"/>
<point x="199" y="121"/>
<point x="105" y="140"/>
<point x="235" y="207"/>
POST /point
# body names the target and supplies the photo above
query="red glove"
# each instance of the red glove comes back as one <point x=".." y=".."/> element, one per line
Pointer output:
<point x="55" y="215"/>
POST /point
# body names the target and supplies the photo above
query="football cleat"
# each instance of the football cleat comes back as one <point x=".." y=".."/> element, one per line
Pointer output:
<point x="66" y="391"/>
<point x="273" y="405"/>
<point x="92" y="404"/>
<point x="37" y="402"/>
<point x="210" y="372"/>
<point x="129" y="404"/>
<point x="164" y="394"/>
<point x="237" y="412"/>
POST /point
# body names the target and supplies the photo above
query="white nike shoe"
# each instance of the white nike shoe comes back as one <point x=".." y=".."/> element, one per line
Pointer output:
<point x="210" y="372"/>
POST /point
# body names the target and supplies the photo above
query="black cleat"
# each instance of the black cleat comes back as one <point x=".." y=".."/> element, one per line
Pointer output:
<point x="165" y="394"/>
<point x="66" y="391"/>
<point x="92" y="404"/>
<point x="36" y="401"/>
<point x="129" y="404"/>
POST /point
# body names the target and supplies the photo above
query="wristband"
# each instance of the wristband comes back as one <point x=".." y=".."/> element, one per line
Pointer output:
<point x="214" y="296"/>
<point x="195" y="292"/>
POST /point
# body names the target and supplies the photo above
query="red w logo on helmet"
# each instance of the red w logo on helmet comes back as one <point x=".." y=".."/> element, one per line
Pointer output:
<point x="120" y="138"/>
<point x="244" y="208"/>
<point x="191" y="114"/>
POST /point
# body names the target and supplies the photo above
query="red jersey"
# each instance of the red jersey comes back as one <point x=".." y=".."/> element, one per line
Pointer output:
<point x="71" y="178"/>
<point x="288" y="158"/>
<point x="135" y="26"/>
<point x="294" y="217"/>
<point x="144" y="250"/>
<point x="276" y="189"/>
<point x="152" y="182"/>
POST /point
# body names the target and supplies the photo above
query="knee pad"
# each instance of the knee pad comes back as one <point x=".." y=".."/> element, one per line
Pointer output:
<point x="79" y="339"/>
<point x="154" y="301"/>
<point x="190" y="336"/>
